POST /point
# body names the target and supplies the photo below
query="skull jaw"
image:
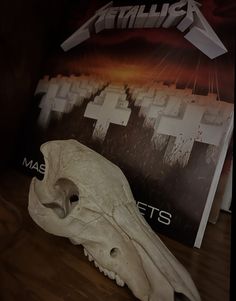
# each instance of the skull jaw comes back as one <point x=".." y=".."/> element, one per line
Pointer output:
<point x="115" y="255"/>
<point x="135" y="260"/>
<point x="142" y="278"/>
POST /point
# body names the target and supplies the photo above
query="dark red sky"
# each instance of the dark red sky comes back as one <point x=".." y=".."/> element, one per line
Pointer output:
<point x="149" y="54"/>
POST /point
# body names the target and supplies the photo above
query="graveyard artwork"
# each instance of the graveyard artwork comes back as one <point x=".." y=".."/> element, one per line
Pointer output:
<point x="148" y="101"/>
<point x="170" y="112"/>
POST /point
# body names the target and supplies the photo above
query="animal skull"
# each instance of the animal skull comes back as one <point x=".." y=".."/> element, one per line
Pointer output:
<point x="104" y="218"/>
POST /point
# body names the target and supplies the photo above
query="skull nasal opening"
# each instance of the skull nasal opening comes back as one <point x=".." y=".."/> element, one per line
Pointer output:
<point x="180" y="297"/>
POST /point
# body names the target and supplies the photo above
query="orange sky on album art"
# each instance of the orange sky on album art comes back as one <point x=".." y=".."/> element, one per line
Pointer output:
<point x="158" y="54"/>
<point x="187" y="68"/>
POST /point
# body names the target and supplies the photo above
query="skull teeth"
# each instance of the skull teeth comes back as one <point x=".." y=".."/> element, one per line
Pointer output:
<point x="119" y="281"/>
<point x="106" y="272"/>
<point x="111" y="275"/>
<point x="95" y="263"/>
<point x="90" y="258"/>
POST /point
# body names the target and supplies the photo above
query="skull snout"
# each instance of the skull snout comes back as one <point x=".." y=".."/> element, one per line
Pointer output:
<point x="115" y="255"/>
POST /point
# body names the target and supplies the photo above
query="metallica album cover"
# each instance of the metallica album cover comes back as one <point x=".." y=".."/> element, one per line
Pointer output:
<point x="150" y="86"/>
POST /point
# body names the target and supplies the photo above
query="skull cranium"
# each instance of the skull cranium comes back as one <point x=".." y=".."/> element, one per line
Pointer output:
<point x="87" y="199"/>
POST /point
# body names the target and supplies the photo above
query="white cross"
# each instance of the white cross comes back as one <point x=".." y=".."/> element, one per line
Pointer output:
<point x="186" y="131"/>
<point x="51" y="103"/>
<point x="107" y="112"/>
<point x="150" y="92"/>
<point x="159" y="97"/>
<point x="42" y="86"/>
<point x="81" y="88"/>
<point x="64" y="89"/>
<point x="135" y="90"/>
<point x="144" y="105"/>
<point x="171" y="107"/>
<point x="163" y="105"/>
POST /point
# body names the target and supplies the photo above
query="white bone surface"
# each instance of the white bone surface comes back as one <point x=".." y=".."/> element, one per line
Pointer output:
<point x="106" y="221"/>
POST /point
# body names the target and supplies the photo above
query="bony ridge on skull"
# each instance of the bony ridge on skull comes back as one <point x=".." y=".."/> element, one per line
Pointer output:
<point x="87" y="199"/>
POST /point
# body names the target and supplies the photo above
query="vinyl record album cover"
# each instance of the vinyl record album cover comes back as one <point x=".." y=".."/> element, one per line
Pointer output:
<point x="150" y="86"/>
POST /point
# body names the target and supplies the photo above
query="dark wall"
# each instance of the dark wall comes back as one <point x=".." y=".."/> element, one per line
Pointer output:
<point x="27" y="28"/>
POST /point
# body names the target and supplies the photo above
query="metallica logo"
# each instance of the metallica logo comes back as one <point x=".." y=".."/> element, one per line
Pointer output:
<point x="185" y="15"/>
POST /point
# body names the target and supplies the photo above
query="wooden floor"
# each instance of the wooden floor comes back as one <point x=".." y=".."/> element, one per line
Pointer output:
<point x="36" y="266"/>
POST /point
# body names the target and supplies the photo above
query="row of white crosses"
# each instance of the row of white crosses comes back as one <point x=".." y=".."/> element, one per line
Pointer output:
<point x="180" y="118"/>
<point x="109" y="107"/>
<point x="63" y="93"/>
